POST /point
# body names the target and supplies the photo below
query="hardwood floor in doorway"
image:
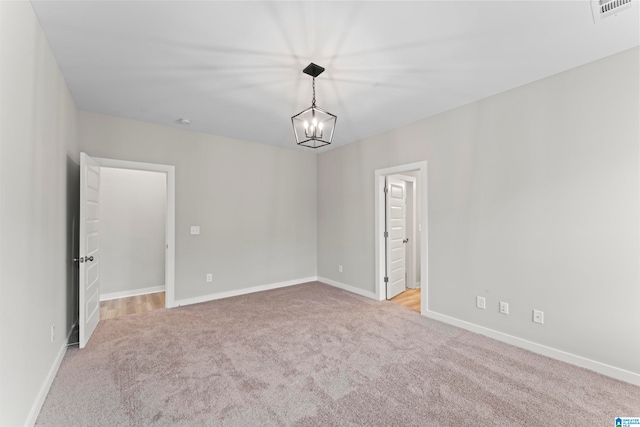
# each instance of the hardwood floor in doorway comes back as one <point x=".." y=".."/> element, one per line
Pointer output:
<point x="409" y="298"/>
<point x="131" y="305"/>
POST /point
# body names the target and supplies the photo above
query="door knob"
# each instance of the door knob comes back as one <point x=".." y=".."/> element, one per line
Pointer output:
<point x="406" y="240"/>
<point x="89" y="258"/>
<point x="81" y="259"/>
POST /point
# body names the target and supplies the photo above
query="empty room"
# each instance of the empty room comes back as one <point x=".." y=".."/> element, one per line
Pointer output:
<point x="317" y="213"/>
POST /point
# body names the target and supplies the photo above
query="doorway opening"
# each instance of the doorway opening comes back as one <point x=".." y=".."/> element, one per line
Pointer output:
<point x="97" y="235"/>
<point x="132" y="241"/>
<point x="401" y="235"/>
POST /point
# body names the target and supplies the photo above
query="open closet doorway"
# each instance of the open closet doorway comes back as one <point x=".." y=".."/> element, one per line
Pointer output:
<point x="127" y="239"/>
<point x="401" y="235"/>
<point x="133" y="224"/>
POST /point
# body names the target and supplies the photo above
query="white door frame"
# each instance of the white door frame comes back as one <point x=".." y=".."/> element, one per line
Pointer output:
<point x="379" y="220"/>
<point x="170" y="215"/>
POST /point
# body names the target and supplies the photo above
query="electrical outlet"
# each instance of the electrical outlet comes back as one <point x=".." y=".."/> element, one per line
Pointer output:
<point x="209" y="277"/>
<point x="481" y="303"/>
<point x="340" y="269"/>
<point x="538" y="316"/>
<point x="53" y="333"/>
<point x="504" y="307"/>
<point x="195" y="229"/>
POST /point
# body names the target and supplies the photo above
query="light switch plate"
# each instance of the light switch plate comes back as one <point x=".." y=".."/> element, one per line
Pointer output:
<point x="195" y="229"/>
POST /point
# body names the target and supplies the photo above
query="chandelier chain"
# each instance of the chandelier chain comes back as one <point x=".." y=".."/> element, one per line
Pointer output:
<point x="313" y="101"/>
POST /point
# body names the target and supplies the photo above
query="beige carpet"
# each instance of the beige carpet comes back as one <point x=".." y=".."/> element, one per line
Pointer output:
<point x="313" y="355"/>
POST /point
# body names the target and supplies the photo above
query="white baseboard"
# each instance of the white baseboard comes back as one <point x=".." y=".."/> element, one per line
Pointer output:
<point x="601" y="368"/>
<point x="244" y="291"/>
<point x="133" y="293"/>
<point x="46" y="385"/>
<point x="348" y="288"/>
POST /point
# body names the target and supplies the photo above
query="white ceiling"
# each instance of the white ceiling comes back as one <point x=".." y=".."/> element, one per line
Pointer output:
<point x="235" y="68"/>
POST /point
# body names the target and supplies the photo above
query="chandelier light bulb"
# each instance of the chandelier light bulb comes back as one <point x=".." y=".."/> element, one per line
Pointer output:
<point x="306" y="124"/>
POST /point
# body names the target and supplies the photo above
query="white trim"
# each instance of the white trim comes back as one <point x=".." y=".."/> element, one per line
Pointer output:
<point x="131" y="293"/>
<point x="348" y="288"/>
<point x="126" y="164"/>
<point x="405" y="177"/>
<point x="244" y="291"/>
<point x="170" y="258"/>
<point x="583" y="362"/>
<point x="379" y="229"/>
<point x="46" y="385"/>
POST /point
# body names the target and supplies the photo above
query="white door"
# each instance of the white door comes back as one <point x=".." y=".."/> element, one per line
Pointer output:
<point x="89" y="297"/>
<point x="395" y="240"/>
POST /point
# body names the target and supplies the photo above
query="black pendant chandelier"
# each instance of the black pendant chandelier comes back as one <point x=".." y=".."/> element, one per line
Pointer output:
<point x="314" y="126"/>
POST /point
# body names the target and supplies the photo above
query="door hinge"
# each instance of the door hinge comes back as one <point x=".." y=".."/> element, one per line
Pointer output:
<point x="386" y="279"/>
<point x="386" y="189"/>
<point x="386" y="234"/>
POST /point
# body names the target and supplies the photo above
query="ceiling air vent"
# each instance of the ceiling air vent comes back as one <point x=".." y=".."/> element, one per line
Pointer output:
<point x="605" y="8"/>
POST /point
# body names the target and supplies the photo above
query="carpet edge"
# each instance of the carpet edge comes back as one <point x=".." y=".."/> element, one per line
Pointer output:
<point x="563" y="356"/>
<point x="48" y="381"/>
<point x="243" y="291"/>
<point x="348" y="288"/>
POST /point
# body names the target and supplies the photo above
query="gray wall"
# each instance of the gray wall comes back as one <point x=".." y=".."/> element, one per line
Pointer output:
<point x="132" y="237"/>
<point x="533" y="199"/>
<point x="38" y="201"/>
<point x="255" y="204"/>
